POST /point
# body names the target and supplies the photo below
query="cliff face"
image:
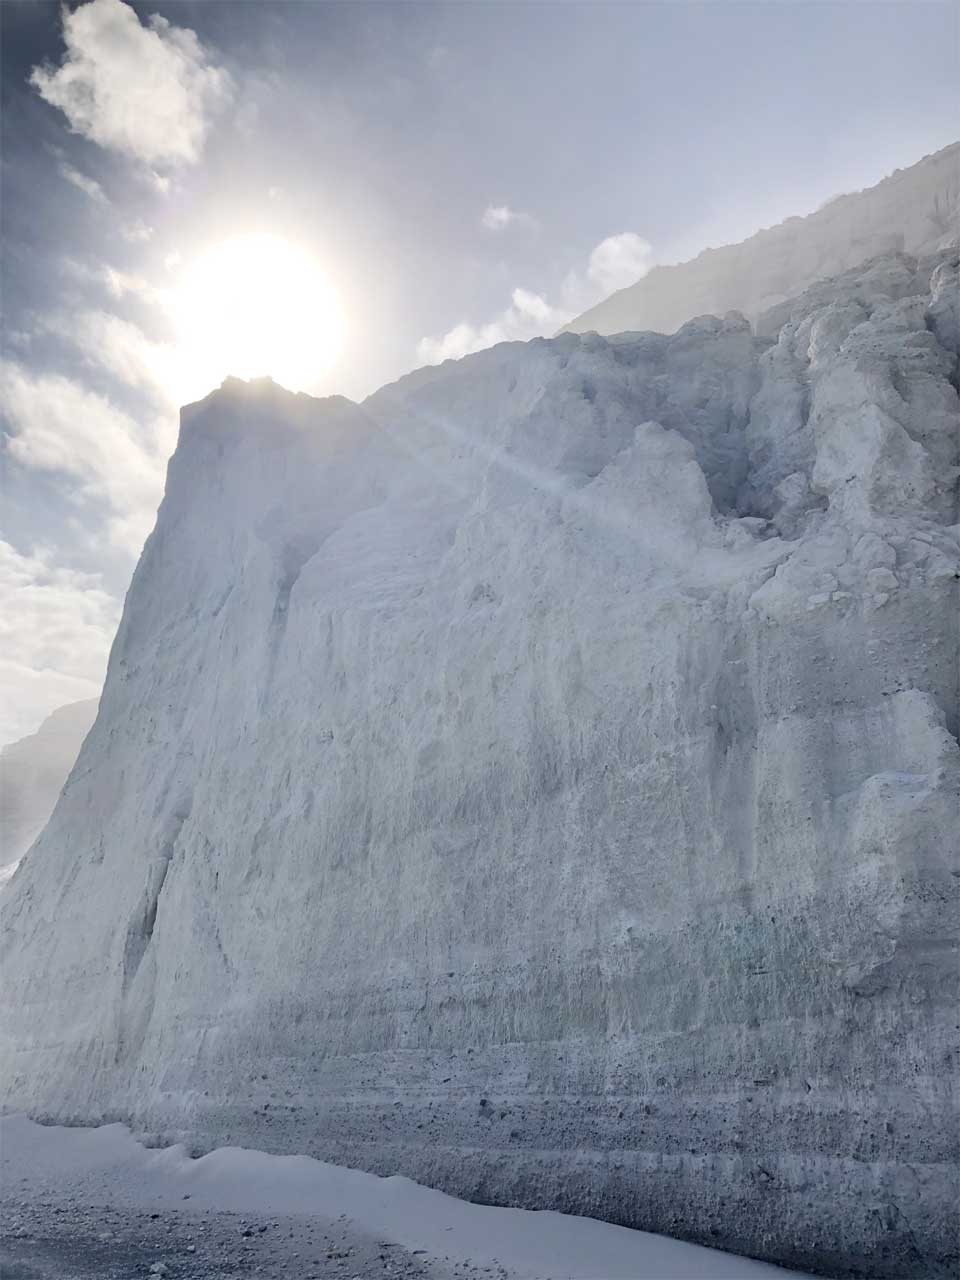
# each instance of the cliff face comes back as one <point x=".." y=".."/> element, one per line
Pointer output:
<point x="542" y="780"/>
<point x="915" y="210"/>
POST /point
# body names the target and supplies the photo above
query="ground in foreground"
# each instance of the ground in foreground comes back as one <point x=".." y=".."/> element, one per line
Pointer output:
<point x="84" y="1203"/>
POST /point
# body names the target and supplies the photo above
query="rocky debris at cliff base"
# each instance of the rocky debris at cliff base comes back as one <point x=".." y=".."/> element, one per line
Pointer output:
<point x="83" y="1203"/>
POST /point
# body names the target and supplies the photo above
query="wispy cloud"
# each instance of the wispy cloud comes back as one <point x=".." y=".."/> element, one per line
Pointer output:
<point x="147" y="92"/>
<point x="136" y="232"/>
<point x="118" y="284"/>
<point x="56" y="627"/>
<point x="615" y="262"/>
<point x="87" y="185"/>
<point x="122" y="349"/>
<point x="59" y="426"/>
<point x="497" y="217"/>
<point x="158" y="181"/>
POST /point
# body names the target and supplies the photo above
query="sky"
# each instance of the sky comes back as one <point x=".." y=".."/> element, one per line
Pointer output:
<point x="445" y="175"/>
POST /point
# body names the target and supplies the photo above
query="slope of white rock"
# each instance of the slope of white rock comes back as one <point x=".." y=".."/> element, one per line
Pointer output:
<point x="542" y="781"/>
<point x="915" y="210"/>
<point x="32" y="771"/>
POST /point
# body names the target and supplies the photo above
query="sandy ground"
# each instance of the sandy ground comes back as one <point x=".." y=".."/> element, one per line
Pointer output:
<point x="81" y="1203"/>
<point x="65" y="1239"/>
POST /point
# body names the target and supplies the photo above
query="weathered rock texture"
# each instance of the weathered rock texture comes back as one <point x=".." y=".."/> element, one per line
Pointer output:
<point x="915" y="210"/>
<point x="32" y="771"/>
<point x="542" y="780"/>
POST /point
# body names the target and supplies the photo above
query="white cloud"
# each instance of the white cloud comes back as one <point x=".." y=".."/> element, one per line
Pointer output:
<point x="60" y="426"/>
<point x="497" y="217"/>
<point x="145" y="91"/>
<point x="117" y="283"/>
<point x="614" y="262"/>
<point x="56" y="627"/>
<point x="88" y="186"/>
<point x="157" y="181"/>
<point x="528" y="316"/>
<point x="120" y="283"/>
<point x="619" y="261"/>
<point x="136" y="232"/>
<point x="122" y="349"/>
<point x="172" y="373"/>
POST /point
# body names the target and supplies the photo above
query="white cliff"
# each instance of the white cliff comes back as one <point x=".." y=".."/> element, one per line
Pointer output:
<point x="915" y="210"/>
<point x="541" y="780"/>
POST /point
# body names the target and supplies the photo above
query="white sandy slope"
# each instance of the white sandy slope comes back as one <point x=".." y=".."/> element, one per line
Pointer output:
<point x="107" y="1165"/>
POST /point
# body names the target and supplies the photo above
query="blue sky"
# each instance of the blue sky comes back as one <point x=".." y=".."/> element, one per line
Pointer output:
<point x="454" y="168"/>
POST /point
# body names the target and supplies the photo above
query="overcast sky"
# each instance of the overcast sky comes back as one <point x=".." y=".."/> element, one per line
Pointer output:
<point x="462" y="173"/>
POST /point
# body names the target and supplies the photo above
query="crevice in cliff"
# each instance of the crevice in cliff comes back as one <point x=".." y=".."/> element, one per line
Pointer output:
<point x="140" y="930"/>
<point x="292" y="560"/>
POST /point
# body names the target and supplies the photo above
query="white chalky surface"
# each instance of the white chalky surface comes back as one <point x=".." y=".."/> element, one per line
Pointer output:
<point x="541" y="781"/>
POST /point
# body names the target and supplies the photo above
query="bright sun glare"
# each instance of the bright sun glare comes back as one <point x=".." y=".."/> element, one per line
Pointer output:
<point x="257" y="305"/>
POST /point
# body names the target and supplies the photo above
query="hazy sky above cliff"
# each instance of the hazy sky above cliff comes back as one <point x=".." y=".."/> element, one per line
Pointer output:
<point x="444" y="175"/>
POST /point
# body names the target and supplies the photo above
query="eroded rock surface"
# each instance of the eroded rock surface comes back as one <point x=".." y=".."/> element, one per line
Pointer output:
<point x="542" y="780"/>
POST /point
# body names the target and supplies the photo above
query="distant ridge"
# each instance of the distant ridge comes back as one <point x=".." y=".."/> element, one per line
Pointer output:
<point x="32" y="773"/>
<point x="914" y="210"/>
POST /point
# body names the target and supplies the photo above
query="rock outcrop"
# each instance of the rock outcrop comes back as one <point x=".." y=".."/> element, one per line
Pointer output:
<point x="915" y="210"/>
<point x="542" y="781"/>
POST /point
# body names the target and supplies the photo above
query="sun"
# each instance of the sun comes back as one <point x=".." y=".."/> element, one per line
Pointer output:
<point x="256" y="305"/>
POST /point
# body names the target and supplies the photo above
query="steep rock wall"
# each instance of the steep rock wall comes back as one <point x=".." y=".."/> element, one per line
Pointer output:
<point x="542" y="780"/>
